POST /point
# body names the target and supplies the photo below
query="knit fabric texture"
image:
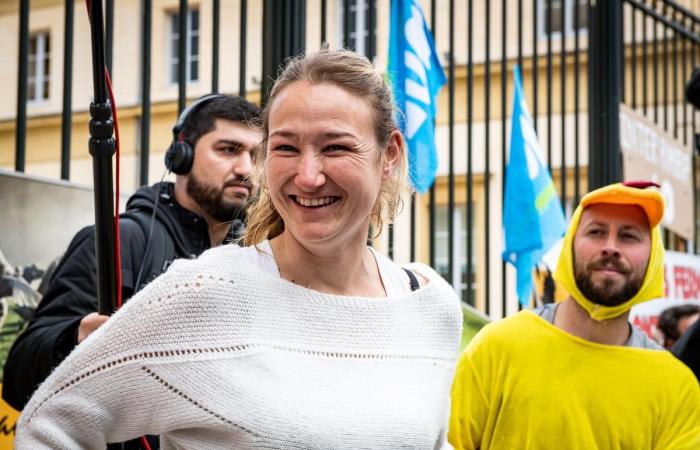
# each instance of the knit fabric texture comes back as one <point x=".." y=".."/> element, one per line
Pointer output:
<point x="216" y="353"/>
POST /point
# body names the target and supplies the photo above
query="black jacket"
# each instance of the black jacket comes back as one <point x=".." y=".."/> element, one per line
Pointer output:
<point x="687" y="349"/>
<point x="51" y="334"/>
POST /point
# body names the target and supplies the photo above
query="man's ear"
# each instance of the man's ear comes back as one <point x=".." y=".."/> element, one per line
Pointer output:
<point x="393" y="153"/>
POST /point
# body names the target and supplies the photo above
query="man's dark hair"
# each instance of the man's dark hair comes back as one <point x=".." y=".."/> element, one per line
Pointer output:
<point x="669" y="318"/>
<point x="202" y="120"/>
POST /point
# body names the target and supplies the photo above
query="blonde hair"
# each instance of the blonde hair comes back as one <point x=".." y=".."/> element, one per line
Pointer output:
<point x="355" y="74"/>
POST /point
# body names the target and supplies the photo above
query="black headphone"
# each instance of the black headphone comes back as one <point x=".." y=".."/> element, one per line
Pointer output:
<point x="180" y="155"/>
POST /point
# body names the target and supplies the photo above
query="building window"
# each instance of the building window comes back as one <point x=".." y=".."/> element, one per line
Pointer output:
<point x="359" y="22"/>
<point x="192" y="46"/>
<point x="554" y="7"/>
<point x="39" y="67"/>
<point x="459" y="279"/>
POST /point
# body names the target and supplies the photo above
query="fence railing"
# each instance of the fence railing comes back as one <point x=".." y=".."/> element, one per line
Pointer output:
<point x="480" y="42"/>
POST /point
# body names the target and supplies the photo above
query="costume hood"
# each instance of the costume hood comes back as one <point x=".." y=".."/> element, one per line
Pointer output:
<point x="631" y="193"/>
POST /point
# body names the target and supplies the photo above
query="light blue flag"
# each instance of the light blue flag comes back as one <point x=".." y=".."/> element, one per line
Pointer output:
<point x="532" y="215"/>
<point x="416" y="77"/>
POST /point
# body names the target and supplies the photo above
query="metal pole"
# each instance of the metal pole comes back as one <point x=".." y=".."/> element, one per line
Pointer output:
<point x="66" y="117"/>
<point x="21" y="129"/>
<point x="604" y="88"/>
<point x="242" y="48"/>
<point x="182" y="56"/>
<point x="101" y="145"/>
<point x="147" y="15"/>
<point x="215" y="46"/>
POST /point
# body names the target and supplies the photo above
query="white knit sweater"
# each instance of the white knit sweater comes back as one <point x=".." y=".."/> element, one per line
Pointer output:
<point x="219" y="354"/>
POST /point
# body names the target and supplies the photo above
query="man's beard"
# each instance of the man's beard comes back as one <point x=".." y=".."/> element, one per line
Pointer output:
<point x="212" y="201"/>
<point x="605" y="294"/>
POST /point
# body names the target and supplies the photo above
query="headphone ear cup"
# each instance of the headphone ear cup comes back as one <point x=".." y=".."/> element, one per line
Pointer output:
<point x="179" y="157"/>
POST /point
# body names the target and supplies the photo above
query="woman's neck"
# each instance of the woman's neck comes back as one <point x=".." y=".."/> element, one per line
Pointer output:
<point x="351" y="270"/>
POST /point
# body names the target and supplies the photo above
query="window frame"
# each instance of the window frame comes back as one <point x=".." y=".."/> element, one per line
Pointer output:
<point x="360" y="9"/>
<point x="191" y="54"/>
<point x="41" y="78"/>
<point x="569" y="30"/>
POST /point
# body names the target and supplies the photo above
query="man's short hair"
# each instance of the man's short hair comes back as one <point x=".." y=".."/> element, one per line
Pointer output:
<point x="669" y="318"/>
<point x="203" y="119"/>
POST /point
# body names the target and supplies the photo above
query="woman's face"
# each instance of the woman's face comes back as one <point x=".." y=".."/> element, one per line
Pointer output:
<point x="324" y="166"/>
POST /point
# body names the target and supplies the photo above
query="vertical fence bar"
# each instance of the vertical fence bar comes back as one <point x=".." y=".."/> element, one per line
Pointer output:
<point x="604" y="73"/>
<point x="562" y="80"/>
<point x="535" y="60"/>
<point x="67" y="113"/>
<point x="684" y="74"/>
<point x="577" y="166"/>
<point x="431" y="199"/>
<point x="622" y="54"/>
<point x="371" y="40"/>
<point x="487" y="160"/>
<point x="520" y="58"/>
<point x="109" y="34"/>
<point x="549" y="84"/>
<point x="145" y="138"/>
<point x="21" y="128"/>
<point x="520" y="36"/>
<point x="665" y="73"/>
<point x="655" y="68"/>
<point x="674" y="92"/>
<point x="346" y="24"/>
<point x="633" y="44"/>
<point x="645" y="66"/>
<point x="504" y="94"/>
<point x="470" y="125"/>
<point x="216" y="38"/>
<point x="242" y="49"/>
<point x="450" y="133"/>
<point x="324" y="13"/>
<point x="182" y="57"/>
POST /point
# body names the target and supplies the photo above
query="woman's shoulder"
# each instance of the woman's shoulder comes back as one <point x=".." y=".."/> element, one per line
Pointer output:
<point x="229" y="258"/>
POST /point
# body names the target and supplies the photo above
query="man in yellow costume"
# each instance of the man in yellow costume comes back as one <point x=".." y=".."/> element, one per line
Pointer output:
<point x="578" y="375"/>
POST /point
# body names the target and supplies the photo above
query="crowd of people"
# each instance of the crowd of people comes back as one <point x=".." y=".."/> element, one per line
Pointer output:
<point x="258" y="316"/>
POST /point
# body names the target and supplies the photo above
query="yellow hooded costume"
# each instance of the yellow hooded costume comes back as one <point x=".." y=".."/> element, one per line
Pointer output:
<point x="652" y="203"/>
<point x="522" y="383"/>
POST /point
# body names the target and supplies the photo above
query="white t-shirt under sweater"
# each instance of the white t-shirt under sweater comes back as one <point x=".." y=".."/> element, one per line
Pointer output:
<point x="217" y="353"/>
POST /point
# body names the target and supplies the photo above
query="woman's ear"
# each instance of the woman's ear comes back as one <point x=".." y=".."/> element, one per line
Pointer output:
<point x="393" y="153"/>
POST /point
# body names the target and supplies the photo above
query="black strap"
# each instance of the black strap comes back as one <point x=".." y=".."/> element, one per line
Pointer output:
<point x="413" y="280"/>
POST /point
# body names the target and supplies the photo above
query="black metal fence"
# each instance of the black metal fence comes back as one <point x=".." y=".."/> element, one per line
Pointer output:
<point x="547" y="39"/>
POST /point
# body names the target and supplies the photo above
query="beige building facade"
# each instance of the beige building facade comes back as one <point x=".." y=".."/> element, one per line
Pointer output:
<point x="43" y="136"/>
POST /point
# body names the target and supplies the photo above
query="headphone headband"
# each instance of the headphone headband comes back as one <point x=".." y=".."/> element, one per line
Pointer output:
<point x="187" y="111"/>
<point x="180" y="155"/>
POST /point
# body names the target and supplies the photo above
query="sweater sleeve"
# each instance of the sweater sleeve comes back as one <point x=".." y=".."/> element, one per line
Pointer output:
<point x="102" y="392"/>
<point x="470" y="399"/>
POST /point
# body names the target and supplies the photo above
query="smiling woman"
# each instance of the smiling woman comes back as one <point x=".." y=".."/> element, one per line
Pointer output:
<point x="305" y="338"/>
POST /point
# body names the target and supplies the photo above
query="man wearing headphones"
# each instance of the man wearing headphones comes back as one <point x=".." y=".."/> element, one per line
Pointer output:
<point x="211" y="156"/>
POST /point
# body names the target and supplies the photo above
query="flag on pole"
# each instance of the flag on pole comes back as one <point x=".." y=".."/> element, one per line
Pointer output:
<point x="532" y="215"/>
<point x="416" y="77"/>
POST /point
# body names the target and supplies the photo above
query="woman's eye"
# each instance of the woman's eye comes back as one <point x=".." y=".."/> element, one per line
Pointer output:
<point x="335" y="147"/>
<point x="284" y="148"/>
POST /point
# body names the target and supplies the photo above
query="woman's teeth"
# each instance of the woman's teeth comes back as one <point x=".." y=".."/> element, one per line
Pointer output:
<point x="323" y="201"/>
